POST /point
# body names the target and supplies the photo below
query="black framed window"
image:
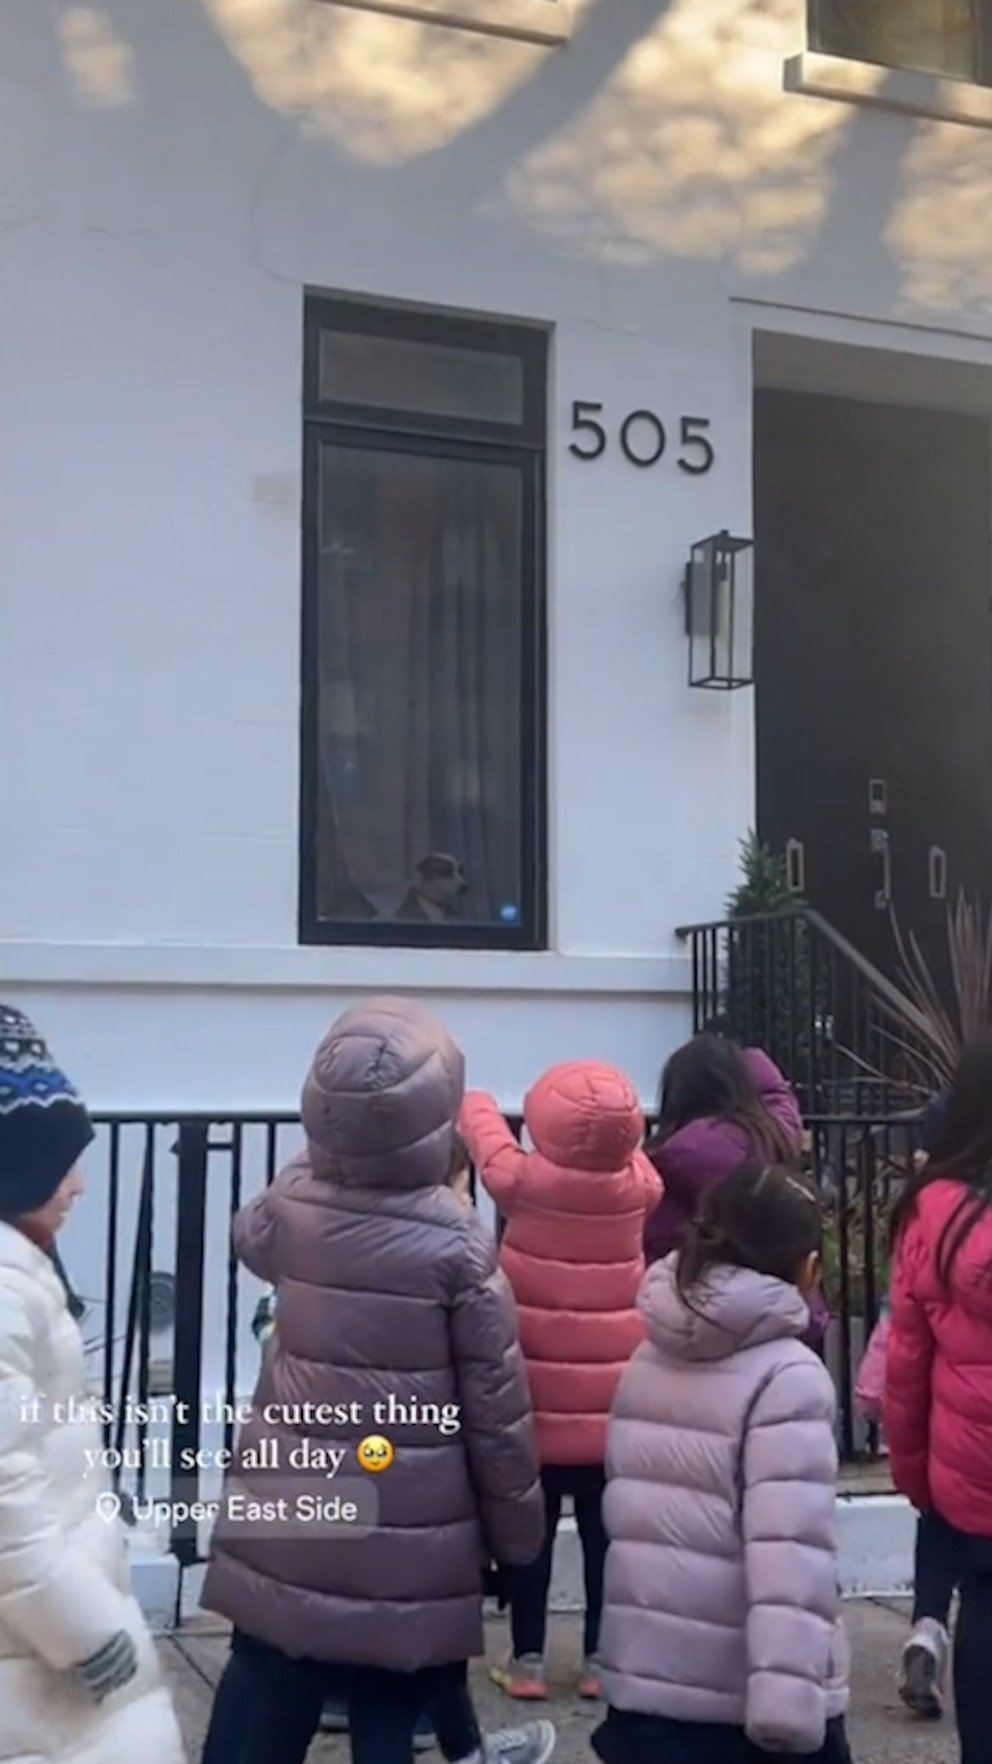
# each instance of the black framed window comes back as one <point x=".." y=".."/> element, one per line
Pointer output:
<point x="948" y="37"/>
<point x="424" y="704"/>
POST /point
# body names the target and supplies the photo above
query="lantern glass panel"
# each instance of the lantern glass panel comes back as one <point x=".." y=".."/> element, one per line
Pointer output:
<point x="720" y="612"/>
<point x="742" y="630"/>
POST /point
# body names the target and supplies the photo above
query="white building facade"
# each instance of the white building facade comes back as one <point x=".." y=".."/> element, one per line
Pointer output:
<point x="659" y="204"/>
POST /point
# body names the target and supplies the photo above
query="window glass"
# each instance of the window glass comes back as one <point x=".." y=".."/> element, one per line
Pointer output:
<point x="420" y="692"/>
<point x="423" y="704"/>
<point x="399" y="373"/>
<point x="928" y="36"/>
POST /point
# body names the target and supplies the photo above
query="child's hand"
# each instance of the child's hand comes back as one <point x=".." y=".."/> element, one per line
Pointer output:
<point x="461" y="1187"/>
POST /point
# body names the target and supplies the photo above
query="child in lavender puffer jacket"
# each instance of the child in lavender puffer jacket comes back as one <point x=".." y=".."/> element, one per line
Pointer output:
<point x="721" y="1635"/>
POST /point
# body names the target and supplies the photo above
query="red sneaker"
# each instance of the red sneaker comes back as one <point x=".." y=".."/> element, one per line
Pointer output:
<point x="523" y="1679"/>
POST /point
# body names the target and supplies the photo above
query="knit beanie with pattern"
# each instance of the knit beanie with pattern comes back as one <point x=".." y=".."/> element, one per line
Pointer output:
<point x="44" y="1128"/>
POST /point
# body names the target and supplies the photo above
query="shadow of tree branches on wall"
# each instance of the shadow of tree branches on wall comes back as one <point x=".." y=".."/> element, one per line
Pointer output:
<point x="660" y="132"/>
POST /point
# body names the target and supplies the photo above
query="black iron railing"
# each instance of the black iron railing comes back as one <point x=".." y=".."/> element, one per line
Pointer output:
<point x="165" y="1317"/>
<point x="849" y="1039"/>
<point x="168" y="1311"/>
<point x="855" y="1047"/>
<point x="859" y="1165"/>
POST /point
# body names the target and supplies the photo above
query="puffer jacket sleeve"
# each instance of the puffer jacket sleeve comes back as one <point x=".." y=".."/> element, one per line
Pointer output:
<point x="254" y="1233"/>
<point x="650" y="1181"/>
<point x="790" y="1555"/>
<point x="57" y="1601"/>
<point x="776" y="1093"/>
<point x="497" y="1422"/>
<point x="498" y="1157"/>
<point x="908" y="1368"/>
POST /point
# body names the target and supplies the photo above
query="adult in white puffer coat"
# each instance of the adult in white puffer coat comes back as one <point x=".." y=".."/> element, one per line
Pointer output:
<point x="79" y="1677"/>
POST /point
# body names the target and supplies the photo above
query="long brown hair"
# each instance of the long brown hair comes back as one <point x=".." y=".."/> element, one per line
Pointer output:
<point x="962" y="1152"/>
<point x="709" y="1077"/>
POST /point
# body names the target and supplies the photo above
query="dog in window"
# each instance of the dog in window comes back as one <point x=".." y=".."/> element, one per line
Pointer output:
<point x="435" y="895"/>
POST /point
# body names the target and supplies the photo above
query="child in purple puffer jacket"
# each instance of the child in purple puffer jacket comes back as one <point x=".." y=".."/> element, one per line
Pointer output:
<point x="721" y="1106"/>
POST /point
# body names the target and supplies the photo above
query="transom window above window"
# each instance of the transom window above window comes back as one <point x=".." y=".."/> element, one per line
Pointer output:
<point x="952" y="38"/>
<point x="423" y="644"/>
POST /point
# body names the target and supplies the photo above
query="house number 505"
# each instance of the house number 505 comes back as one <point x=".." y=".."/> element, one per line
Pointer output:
<point x="643" y="438"/>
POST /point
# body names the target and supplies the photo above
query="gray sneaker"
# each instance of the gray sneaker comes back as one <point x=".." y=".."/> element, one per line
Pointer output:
<point x="424" y="1737"/>
<point x="534" y="1743"/>
<point x="333" y="1717"/>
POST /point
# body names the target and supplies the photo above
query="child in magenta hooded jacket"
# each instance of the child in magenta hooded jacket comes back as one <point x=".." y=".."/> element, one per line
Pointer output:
<point x="575" y="1209"/>
<point x="721" y="1106"/>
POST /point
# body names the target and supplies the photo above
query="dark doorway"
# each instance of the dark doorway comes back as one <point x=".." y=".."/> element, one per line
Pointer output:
<point x="873" y="659"/>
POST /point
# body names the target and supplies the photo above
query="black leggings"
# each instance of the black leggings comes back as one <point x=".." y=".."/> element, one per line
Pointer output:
<point x="938" y="1568"/>
<point x="267" y="1708"/>
<point x="529" y="1601"/>
<point x="960" y="1558"/>
<point x="627" y="1738"/>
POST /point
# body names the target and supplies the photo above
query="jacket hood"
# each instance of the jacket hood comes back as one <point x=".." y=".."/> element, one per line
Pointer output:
<point x="382" y="1097"/>
<point x="585" y="1116"/>
<point x="705" y="1149"/>
<point x="734" y="1308"/>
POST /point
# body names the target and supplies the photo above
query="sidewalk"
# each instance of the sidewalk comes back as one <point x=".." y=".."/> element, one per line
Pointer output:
<point x="880" y="1730"/>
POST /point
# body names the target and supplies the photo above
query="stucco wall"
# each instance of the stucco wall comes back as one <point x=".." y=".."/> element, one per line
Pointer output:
<point x="171" y="177"/>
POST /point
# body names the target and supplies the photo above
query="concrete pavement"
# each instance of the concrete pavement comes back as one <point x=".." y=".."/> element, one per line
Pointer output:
<point x="880" y="1730"/>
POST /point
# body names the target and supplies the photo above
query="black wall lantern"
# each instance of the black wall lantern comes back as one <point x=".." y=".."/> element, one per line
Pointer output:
<point x="719" y="612"/>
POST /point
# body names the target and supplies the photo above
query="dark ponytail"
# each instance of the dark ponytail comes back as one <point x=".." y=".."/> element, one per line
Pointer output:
<point x="961" y="1151"/>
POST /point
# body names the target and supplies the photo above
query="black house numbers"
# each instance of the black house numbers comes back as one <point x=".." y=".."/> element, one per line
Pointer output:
<point x="643" y="438"/>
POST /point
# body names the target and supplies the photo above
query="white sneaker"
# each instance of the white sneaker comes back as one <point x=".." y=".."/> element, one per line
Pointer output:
<point x="924" y="1664"/>
<point x="534" y="1743"/>
<point x="333" y="1717"/>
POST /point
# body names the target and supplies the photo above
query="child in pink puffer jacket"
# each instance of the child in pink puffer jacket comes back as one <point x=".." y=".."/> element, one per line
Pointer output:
<point x="721" y="1634"/>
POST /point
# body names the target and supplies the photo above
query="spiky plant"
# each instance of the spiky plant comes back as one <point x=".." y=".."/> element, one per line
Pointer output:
<point x="929" y="1029"/>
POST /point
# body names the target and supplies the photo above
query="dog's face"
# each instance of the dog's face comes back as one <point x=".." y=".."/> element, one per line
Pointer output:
<point x="440" y="879"/>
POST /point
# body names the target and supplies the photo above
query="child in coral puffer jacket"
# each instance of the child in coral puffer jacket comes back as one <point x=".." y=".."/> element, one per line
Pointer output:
<point x="575" y="1209"/>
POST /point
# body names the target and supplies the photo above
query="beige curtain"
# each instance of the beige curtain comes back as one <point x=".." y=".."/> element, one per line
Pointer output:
<point x="419" y="633"/>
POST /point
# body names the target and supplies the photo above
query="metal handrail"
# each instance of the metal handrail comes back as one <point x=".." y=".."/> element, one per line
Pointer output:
<point x="885" y="989"/>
